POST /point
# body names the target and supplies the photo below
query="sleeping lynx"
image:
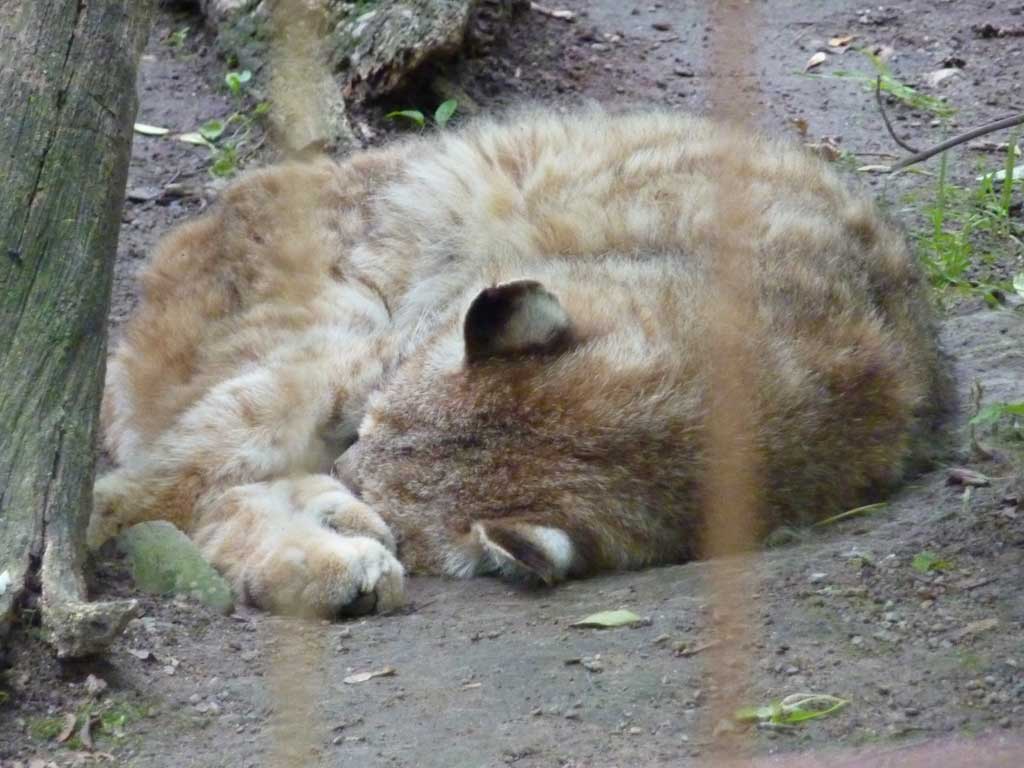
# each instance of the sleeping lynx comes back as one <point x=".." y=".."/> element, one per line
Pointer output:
<point x="503" y="333"/>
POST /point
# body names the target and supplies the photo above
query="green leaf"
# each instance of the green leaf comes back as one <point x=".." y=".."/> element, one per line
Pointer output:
<point x="226" y="162"/>
<point x="444" y="112"/>
<point x="607" y="619"/>
<point x="993" y="412"/>
<point x="408" y="114"/>
<point x="235" y="81"/>
<point x="764" y="714"/>
<point x="211" y="130"/>
<point x="792" y="710"/>
<point x="925" y="562"/>
<point x="151" y="130"/>
<point x="194" y="138"/>
<point x="795" y="710"/>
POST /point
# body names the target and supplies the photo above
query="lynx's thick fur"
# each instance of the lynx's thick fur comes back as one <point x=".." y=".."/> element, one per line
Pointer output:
<point x="504" y="334"/>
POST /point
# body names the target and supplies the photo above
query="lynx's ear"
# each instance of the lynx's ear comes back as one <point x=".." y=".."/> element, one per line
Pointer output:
<point x="516" y="318"/>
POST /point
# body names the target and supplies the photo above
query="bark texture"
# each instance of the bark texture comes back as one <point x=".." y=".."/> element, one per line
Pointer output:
<point x="372" y="48"/>
<point x="67" y="85"/>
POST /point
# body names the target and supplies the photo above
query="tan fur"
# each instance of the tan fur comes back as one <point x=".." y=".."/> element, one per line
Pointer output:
<point x="516" y="318"/>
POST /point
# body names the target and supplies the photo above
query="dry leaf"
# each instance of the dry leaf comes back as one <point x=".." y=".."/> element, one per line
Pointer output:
<point x="940" y="75"/>
<point x="816" y="61"/>
<point x="194" y="138"/>
<point x="976" y="628"/>
<point x="362" y="677"/>
<point x="874" y="169"/>
<point x="142" y="654"/>
<point x="471" y="686"/>
<point x="151" y="130"/>
<point x="964" y="476"/>
<point x="686" y="652"/>
<point x="606" y="619"/>
<point x="800" y="124"/>
<point x="827" y="149"/>
<point x="68" y="729"/>
<point x="562" y="14"/>
<point x="841" y="41"/>
<point x="85" y="733"/>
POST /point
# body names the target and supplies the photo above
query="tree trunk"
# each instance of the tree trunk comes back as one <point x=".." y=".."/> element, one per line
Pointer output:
<point x="67" y="86"/>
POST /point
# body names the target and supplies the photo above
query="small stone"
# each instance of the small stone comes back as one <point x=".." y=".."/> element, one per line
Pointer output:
<point x="662" y="26"/>
<point x="95" y="685"/>
<point x="195" y="698"/>
<point x="634" y="731"/>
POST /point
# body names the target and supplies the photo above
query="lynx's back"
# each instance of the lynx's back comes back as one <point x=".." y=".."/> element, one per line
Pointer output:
<point x="618" y="218"/>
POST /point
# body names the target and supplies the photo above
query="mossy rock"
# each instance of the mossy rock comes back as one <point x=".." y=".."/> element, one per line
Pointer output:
<point x="164" y="561"/>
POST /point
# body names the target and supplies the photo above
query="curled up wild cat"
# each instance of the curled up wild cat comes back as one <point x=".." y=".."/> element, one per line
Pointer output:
<point x="486" y="351"/>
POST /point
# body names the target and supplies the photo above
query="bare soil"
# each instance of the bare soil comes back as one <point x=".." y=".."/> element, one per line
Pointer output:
<point x="488" y="675"/>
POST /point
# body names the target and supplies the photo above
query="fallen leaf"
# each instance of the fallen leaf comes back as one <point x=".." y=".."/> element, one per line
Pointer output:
<point x="142" y="654"/>
<point x="933" y="79"/>
<point x="964" y="476"/>
<point x="68" y="729"/>
<point x="874" y="169"/>
<point x="362" y="677"/>
<point x="970" y="584"/>
<point x="194" y="138"/>
<point x="801" y="126"/>
<point x="471" y="686"/>
<point x="826" y="149"/>
<point x="85" y="733"/>
<point x="841" y="41"/>
<point x="151" y="130"/>
<point x="976" y="628"/>
<point x="607" y="619"/>
<point x="794" y="709"/>
<point x="685" y="651"/>
<point x="564" y="15"/>
<point x="1018" y="173"/>
<point x="924" y="562"/>
<point x="816" y="61"/>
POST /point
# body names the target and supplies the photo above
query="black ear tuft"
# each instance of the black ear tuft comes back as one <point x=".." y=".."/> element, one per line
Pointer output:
<point x="526" y="554"/>
<point x="515" y="318"/>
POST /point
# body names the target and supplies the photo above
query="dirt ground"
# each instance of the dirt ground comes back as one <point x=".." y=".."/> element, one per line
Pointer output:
<point x="488" y="675"/>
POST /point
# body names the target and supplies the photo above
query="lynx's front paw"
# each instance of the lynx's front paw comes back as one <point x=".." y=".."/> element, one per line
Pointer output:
<point x="325" y="575"/>
<point x="340" y="511"/>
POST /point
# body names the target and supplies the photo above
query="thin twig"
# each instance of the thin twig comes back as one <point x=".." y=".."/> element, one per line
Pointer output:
<point x="998" y="125"/>
<point x="885" y="118"/>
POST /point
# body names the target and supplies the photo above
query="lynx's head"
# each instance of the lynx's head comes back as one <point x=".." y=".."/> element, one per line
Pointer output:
<point x="545" y="430"/>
